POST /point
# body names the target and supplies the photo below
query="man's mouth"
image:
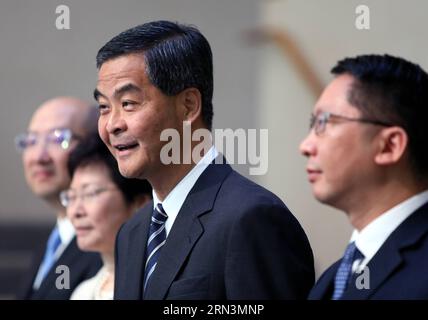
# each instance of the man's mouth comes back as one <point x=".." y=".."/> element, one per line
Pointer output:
<point x="125" y="148"/>
<point x="42" y="174"/>
<point x="313" y="174"/>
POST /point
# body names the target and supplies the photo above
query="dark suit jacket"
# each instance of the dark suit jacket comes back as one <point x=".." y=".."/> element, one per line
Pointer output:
<point x="232" y="239"/>
<point x="399" y="270"/>
<point x="82" y="266"/>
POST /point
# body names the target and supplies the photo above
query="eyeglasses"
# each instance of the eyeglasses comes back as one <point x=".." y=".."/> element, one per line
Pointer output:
<point x="69" y="197"/>
<point x="58" y="138"/>
<point x="319" y="121"/>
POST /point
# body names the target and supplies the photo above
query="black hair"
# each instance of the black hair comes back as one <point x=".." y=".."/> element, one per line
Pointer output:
<point x="94" y="151"/>
<point x="392" y="90"/>
<point x="177" y="57"/>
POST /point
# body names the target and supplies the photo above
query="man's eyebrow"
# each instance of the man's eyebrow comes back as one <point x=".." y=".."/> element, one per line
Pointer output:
<point x="98" y="94"/>
<point x="129" y="87"/>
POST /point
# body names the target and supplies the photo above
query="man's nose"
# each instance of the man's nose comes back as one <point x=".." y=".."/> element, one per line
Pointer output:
<point x="41" y="152"/>
<point x="307" y="146"/>
<point x="115" y="123"/>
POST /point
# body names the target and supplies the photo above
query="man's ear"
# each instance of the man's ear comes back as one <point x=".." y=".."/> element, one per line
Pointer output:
<point x="392" y="144"/>
<point x="190" y="100"/>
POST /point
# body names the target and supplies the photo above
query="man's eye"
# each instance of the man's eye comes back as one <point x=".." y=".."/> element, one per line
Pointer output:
<point x="102" y="108"/>
<point x="56" y="137"/>
<point x="30" y="140"/>
<point x="128" y="104"/>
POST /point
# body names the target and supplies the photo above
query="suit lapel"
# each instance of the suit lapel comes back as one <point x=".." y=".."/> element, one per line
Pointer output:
<point x="184" y="234"/>
<point x="389" y="258"/>
<point x="136" y="254"/>
<point x="323" y="290"/>
<point x="385" y="263"/>
<point x="186" y="230"/>
<point x="382" y="265"/>
<point x="66" y="258"/>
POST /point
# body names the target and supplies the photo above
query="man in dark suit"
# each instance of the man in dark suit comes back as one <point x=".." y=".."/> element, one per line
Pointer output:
<point x="209" y="232"/>
<point x="367" y="156"/>
<point x="54" y="130"/>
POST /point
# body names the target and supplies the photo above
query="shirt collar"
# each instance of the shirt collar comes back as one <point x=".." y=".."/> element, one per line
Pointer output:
<point x="372" y="237"/>
<point x="65" y="229"/>
<point x="175" y="199"/>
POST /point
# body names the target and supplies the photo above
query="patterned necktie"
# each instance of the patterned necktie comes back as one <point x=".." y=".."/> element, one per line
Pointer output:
<point x="344" y="271"/>
<point x="49" y="259"/>
<point x="157" y="238"/>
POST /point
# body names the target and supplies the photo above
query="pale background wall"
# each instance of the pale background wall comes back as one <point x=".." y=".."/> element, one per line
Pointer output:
<point x="255" y="86"/>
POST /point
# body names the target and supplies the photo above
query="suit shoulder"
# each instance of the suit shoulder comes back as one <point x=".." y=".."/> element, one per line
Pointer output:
<point x="240" y="187"/>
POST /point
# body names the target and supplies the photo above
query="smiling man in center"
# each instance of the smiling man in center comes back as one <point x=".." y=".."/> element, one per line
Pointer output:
<point x="209" y="232"/>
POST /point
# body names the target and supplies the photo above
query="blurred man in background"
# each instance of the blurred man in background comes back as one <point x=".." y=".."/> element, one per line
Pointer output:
<point x="56" y="127"/>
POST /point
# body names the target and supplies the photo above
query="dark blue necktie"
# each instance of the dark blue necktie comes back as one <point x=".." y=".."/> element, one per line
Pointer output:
<point x="157" y="238"/>
<point x="344" y="271"/>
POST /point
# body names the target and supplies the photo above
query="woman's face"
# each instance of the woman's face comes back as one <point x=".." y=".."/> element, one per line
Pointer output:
<point x="97" y="208"/>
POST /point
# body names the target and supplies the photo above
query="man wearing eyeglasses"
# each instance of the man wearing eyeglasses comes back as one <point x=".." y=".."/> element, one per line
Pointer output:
<point x="367" y="156"/>
<point x="55" y="129"/>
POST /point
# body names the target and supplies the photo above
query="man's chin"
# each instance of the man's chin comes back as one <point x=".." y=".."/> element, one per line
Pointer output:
<point x="127" y="172"/>
<point x="131" y="172"/>
<point x="320" y="195"/>
<point x="326" y="198"/>
<point x="47" y="194"/>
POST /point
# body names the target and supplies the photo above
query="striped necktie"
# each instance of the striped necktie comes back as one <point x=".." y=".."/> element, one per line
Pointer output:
<point x="344" y="271"/>
<point x="157" y="239"/>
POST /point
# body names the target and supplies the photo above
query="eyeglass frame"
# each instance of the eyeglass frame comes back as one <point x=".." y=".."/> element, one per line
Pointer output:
<point x="83" y="195"/>
<point x="69" y="136"/>
<point x="325" y="117"/>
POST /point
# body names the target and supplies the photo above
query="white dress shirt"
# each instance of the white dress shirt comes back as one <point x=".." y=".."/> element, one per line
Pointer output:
<point x="175" y="199"/>
<point x="372" y="237"/>
<point x="66" y="233"/>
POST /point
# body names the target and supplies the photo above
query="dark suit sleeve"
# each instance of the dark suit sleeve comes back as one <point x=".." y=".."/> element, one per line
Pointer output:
<point x="118" y="264"/>
<point x="269" y="256"/>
